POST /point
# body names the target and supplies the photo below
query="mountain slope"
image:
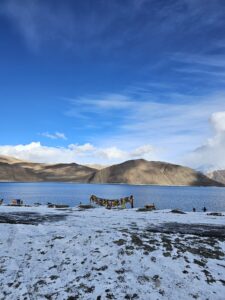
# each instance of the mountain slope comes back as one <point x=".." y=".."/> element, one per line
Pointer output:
<point x="66" y="172"/>
<point x="149" y="172"/>
<point x="16" y="170"/>
<point x="11" y="172"/>
<point x="218" y="175"/>
<point x="9" y="159"/>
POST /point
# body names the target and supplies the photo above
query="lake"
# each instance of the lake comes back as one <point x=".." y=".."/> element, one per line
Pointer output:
<point x="72" y="194"/>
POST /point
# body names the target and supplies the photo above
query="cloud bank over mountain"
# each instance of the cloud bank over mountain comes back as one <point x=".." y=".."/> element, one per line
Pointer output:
<point x="86" y="153"/>
<point x="210" y="156"/>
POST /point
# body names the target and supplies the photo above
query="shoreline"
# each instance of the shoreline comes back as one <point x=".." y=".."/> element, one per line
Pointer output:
<point x="111" y="254"/>
<point x="128" y="184"/>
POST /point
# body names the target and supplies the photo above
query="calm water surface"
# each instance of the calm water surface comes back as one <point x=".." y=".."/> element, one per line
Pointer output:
<point x="72" y="194"/>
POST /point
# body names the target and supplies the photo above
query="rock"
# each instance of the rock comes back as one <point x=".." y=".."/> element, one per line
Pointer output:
<point x="177" y="211"/>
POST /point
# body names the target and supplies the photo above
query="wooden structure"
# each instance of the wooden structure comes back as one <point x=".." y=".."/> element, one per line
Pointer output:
<point x="150" y="206"/>
<point x="109" y="203"/>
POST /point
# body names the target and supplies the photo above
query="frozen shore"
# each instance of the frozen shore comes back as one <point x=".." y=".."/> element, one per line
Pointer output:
<point x="110" y="254"/>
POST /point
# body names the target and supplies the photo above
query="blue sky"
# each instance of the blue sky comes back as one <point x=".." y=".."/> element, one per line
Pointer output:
<point x="104" y="81"/>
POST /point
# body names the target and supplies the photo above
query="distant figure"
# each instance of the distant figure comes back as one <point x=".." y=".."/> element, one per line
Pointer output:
<point x="132" y="201"/>
<point x="204" y="209"/>
<point x="194" y="209"/>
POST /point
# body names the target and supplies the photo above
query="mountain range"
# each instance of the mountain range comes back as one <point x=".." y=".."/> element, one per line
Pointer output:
<point x="138" y="171"/>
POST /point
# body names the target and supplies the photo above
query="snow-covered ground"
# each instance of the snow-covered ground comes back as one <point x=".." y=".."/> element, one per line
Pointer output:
<point x="110" y="254"/>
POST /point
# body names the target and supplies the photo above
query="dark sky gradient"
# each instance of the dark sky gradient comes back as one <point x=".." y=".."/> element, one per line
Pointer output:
<point x="59" y="60"/>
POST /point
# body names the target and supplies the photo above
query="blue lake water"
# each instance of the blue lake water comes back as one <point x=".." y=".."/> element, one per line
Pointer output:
<point x="72" y="194"/>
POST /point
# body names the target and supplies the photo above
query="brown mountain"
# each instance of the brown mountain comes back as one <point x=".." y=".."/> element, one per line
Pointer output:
<point x="132" y="172"/>
<point x="16" y="170"/>
<point x="151" y="172"/>
<point x="218" y="175"/>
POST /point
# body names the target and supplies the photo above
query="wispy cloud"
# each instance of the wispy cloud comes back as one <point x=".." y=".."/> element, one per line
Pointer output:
<point x="210" y="60"/>
<point x="197" y="69"/>
<point x="76" y="23"/>
<point x="54" y="136"/>
<point x="39" y="22"/>
<point x="174" y="127"/>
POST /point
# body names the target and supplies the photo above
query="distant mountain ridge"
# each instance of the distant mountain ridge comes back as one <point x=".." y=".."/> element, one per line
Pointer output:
<point x="218" y="175"/>
<point x="138" y="171"/>
<point x="20" y="171"/>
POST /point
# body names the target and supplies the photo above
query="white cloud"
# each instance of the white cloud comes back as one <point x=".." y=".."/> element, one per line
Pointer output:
<point x="54" y="136"/>
<point x="210" y="156"/>
<point x="142" y="151"/>
<point x="81" y="148"/>
<point x="86" y="153"/>
<point x="218" y="121"/>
